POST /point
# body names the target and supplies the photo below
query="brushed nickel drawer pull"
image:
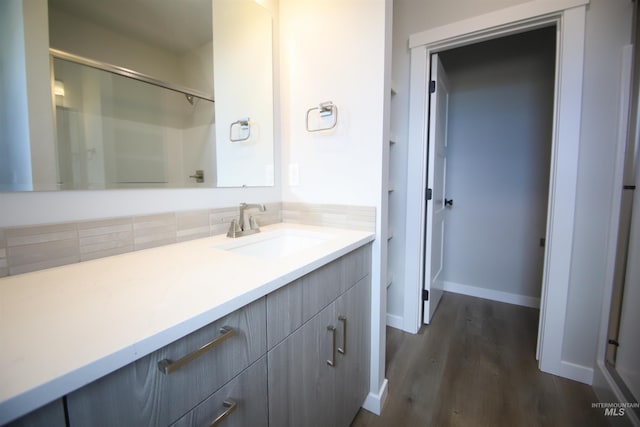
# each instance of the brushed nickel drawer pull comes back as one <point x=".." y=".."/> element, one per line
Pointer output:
<point x="332" y="361"/>
<point x="231" y="406"/>
<point x="167" y="366"/>
<point x="343" y="349"/>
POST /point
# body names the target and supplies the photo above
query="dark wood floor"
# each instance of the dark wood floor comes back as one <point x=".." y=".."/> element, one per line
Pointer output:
<point x="474" y="365"/>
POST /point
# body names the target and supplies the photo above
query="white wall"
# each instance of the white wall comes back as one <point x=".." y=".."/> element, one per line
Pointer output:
<point x="334" y="50"/>
<point x="15" y="154"/>
<point x="28" y="144"/>
<point x="43" y="149"/>
<point x="90" y="40"/>
<point x="197" y="68"/>
<point x="244" y="89"/>
<point x="608" y="29"/>
<point x="498" y="158"/>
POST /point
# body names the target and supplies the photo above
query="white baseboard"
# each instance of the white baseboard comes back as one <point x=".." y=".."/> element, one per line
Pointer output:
<point x="572" y="371"/>
<point x="375" y="401"/>
<point x="579" y="373"/>
<point x="395" y="321"/>
<point x="491" y="294"/>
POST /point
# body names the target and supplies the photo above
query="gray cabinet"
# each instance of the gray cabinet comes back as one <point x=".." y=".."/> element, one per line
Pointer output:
<point x="298" y="357"/>
<point x="241" y="402"/>
<point x="51" y="415"/>
<point x="140" y="394"/>
<point x="319" y="374"/>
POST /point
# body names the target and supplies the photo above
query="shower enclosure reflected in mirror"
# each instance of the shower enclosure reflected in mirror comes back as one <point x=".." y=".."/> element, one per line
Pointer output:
<point x="114" y="131"/>
<point x="146" y="93"/>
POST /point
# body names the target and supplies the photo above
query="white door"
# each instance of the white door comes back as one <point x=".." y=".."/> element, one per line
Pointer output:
<point x="436" y="207"/>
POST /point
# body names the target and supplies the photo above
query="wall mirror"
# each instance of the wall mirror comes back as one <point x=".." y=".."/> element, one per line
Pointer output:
<point x="162" y="93"/>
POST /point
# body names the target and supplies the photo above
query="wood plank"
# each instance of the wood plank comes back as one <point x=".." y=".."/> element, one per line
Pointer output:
<point x="475" y="365"/>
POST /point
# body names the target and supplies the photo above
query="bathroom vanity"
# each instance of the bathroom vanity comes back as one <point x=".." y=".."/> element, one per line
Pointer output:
<point x="269" y="329"/>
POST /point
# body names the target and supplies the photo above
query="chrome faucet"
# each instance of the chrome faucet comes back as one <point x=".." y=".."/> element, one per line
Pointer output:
<point x="242" y="227"/>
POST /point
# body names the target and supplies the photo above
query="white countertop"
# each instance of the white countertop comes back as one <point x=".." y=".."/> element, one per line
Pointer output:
<point x="64" y="327"/>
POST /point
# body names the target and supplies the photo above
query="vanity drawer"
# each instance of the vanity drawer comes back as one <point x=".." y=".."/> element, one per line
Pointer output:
<point x="241" y="402"/>
<point x="294" y="304"/>
<point x="355" y="266"/>
<point x="327" y="283"/>
<point x="141" y="394"/>
<point x="51" y="415"/>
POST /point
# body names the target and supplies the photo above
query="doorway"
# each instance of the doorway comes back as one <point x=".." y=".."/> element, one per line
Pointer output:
<point x="492" y="109"/>
<point x="569" y="18"/>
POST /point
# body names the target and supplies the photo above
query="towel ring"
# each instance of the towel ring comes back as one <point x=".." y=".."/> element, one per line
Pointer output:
<point x="325" y="109"/>
<point x="245" y="125"/>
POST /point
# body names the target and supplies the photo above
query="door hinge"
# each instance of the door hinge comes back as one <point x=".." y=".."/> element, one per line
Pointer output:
<point x="614" y="342"/>
<point x="542" y="242"/>
<point x="432" y="86"/>
<point x="429" y="194"/>
<point x="425" y="295"/>
<point x="629" y="187"/>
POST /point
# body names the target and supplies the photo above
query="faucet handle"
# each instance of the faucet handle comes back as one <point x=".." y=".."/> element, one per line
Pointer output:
<point x="233" y="229"/>
<point x="253" y="224"/>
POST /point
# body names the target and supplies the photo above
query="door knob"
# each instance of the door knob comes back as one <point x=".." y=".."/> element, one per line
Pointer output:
<point x="448" y="202"/>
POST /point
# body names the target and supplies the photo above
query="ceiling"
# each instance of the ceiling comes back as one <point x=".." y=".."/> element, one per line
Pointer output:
<point x="174" y="25"/>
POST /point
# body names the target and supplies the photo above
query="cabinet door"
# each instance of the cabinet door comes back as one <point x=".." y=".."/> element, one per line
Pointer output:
<point x="301" y="382"/>
<point x="241" y="402"/>
<point x="140" y="394"/>
<point x="353" y="334"/>
<point x="51" y="415"/>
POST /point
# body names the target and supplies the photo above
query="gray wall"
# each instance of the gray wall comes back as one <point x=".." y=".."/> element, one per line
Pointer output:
<point x="498" y="158"/>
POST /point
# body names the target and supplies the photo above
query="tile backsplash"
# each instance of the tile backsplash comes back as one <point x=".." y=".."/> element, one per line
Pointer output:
<point x="31" y="248"/>
<point x="41" y="246"/>
<point x="339" y="216"/>
<point x="105" y="237"/>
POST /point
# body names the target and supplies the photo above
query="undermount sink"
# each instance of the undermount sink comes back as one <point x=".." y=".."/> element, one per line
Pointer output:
<point x="275" y="244"/>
